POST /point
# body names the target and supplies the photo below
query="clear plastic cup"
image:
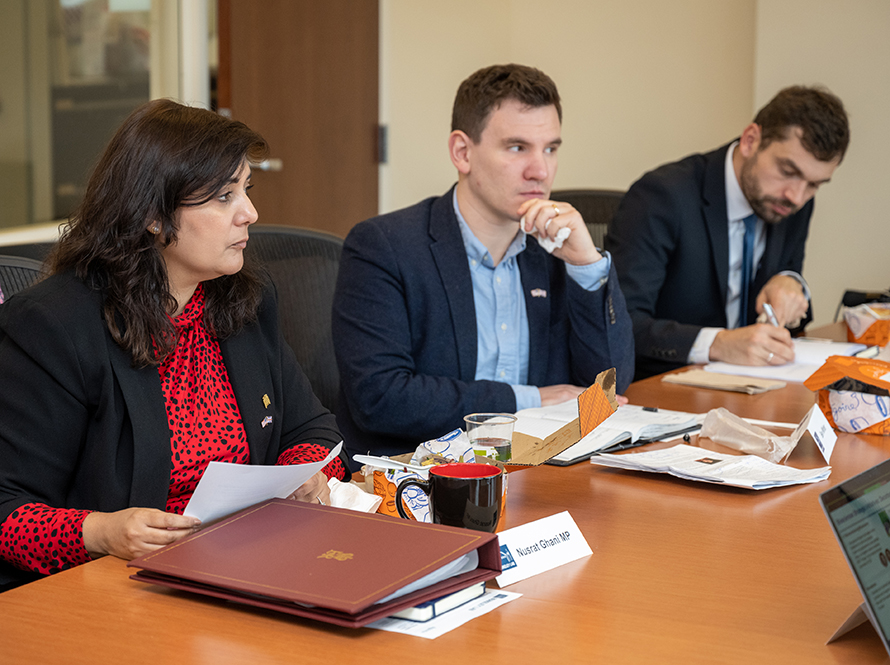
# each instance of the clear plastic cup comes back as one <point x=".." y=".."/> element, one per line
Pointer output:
<point x="491" y="432"/>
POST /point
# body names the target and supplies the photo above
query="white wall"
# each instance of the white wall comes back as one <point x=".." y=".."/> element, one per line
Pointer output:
<point x="426" y="49"/>
<point x="845" y="46"/>
<point x="642" y="81"/>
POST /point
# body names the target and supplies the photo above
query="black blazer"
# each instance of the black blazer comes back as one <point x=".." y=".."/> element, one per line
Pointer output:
<point x="405" y="336"/>
<point x="84" y="429"/>
<point x="670" y="243"/>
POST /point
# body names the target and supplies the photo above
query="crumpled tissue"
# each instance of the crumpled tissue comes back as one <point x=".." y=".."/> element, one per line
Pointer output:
<point x="352" y="497"/>
<point x="548" y="244"/>
<point x="729" y="430"/>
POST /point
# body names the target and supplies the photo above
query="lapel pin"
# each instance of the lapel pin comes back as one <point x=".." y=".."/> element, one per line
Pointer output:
<point x="267" y="421"/>
<point x="539" y="293"/>
<point x="266" y="401"/>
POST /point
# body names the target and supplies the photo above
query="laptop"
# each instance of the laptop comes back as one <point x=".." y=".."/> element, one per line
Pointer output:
<point x="859" y="513"/>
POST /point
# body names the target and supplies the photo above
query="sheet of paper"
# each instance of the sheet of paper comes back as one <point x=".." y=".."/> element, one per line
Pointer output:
<point x="543" y="421"/>
<point x="601" y="437"/>
<point x="809" y="355"/>
<point x="564" y="412"/>
<point x="227" y="488"/>
<point x="452" y="619"/>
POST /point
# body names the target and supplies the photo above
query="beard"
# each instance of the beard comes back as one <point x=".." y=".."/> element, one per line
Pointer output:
<point x="763" y="206"/>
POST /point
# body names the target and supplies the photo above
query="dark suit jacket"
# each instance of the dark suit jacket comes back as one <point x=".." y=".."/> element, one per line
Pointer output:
<point x="81" y="428"/>
<point x="670" y="243"/>
<point x="405" y="336"/>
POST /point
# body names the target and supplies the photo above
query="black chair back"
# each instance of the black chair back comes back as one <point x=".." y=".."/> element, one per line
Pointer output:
<point x="17" y="273"/>
<point x="303" y="264"/>
<point x="597" y="207"/>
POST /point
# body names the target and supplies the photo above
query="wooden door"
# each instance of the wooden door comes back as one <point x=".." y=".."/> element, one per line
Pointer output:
<point x="303" y="73"/>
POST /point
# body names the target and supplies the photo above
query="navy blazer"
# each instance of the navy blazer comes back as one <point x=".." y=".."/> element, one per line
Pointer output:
<point x="669" y="240"/>
<point x="82" y="428"/>
<point x="404" y="326"/>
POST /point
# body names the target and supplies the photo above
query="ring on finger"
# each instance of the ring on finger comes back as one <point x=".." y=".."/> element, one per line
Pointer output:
<point x="555" y="208"/>
<point x="769" y="358"/>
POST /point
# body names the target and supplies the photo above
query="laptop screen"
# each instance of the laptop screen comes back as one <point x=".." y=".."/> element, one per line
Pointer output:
<point x="859" y="512"/>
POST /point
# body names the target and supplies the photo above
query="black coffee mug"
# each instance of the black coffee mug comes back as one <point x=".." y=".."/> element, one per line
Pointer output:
<point x="461" y="494"/>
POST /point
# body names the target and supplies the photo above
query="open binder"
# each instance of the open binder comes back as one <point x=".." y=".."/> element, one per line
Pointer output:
<point x="319" y="562"/>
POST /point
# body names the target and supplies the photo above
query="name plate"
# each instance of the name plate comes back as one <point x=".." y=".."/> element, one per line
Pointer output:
<point x="540" y="546"/>
<point x="817" y="425"/>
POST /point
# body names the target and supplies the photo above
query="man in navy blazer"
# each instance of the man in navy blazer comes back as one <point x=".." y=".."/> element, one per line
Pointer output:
<point x="678" y="239"/>
<point x="452" y="306"/>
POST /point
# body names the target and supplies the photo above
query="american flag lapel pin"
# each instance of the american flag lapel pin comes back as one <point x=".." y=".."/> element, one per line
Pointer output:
<point x="267" y="421"/>
<point x="539" y="293"/>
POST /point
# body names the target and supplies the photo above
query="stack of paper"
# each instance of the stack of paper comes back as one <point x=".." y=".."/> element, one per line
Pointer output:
<point x="706" y="466"/>
<point x="809" y="355"/>
<point x="630" y="423"/>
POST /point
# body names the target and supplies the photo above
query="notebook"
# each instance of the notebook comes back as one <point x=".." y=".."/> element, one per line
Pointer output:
<point x="629" y="426"/>
<point x="433" y="608"/>
<point x="859" y="513"/>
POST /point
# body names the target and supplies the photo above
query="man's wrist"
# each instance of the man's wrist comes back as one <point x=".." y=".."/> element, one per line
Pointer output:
<point x="800" y="280"/>
<point x="700" y="353"/>
<point x="527" y="397"/>
<point x="592" y="276"/>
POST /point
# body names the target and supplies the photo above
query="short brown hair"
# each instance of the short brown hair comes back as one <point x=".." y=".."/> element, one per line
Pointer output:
<point x="819" y="114"/>
<point x="485" y="90"/>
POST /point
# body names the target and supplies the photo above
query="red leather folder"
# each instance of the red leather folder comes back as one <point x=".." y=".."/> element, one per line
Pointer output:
<point x="318" y="562"/>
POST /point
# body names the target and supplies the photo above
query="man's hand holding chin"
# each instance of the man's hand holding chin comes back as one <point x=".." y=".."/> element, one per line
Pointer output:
<point x="545" y="218"/>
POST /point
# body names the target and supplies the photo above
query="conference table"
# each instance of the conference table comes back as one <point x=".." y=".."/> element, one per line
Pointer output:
<point x="681" y="572"/>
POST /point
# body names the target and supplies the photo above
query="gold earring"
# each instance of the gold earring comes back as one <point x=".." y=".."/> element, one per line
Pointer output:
<point x="154" y="229"/>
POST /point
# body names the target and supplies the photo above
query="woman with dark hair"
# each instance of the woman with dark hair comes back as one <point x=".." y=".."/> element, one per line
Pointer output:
<point x="152" y="349"/>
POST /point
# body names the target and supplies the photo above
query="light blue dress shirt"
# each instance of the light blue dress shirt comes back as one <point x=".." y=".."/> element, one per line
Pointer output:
<point x="502" y="346"/>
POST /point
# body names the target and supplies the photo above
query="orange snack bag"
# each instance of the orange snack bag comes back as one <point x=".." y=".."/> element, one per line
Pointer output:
<point x="854" y="394"/>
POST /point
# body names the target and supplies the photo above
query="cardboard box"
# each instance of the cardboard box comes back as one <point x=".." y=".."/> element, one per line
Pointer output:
<point x="868" y="324"/>
<point x="854" y="394"/>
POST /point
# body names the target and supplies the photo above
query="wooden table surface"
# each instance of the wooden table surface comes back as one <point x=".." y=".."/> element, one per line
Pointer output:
<point x="681" y="572"/>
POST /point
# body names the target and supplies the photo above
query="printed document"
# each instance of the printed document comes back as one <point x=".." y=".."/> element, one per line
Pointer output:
<point x="699" y="464"/>
<point x="227" y="488"/>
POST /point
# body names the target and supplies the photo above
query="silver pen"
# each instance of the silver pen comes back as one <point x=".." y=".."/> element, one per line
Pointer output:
<point x="770" y="314"/>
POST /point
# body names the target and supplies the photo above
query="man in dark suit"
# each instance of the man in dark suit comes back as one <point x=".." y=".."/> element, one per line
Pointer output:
<point x="703" y="245"/>
<point x="448" y="307"/>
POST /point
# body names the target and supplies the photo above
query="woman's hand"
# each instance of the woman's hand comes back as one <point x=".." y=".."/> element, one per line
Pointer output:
<point x="313" y="489"/>
<point x="133" y="532"/>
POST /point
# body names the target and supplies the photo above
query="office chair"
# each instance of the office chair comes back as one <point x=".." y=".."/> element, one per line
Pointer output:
<point x="597" y="207"/>
<point x="303" y="265"/>
<point x="17" y="273"/>
<point x="32" y="250"/>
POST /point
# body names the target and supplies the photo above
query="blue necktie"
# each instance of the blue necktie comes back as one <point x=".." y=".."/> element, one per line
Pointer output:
<point x="747" y="267"/>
